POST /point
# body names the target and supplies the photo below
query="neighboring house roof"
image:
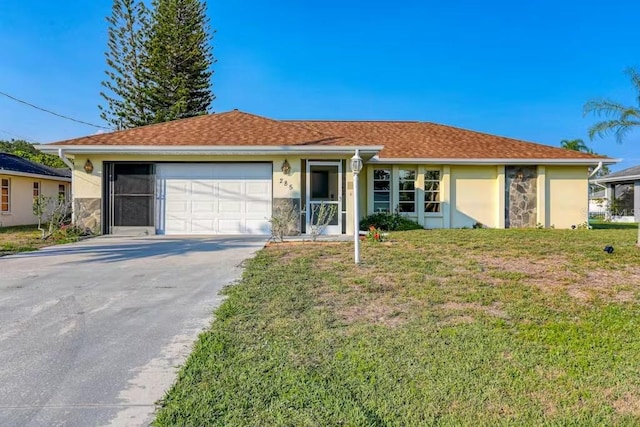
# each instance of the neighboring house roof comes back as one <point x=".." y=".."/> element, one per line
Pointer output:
<point x="398" y="140"/>
<point x="629" y="174"/>
<point x="16" y="165"/>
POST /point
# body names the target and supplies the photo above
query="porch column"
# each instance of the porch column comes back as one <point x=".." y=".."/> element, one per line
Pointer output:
<point x="609" y="194"/>
<point x="500" y="182"/>
<point x="636" y="201"/>
<point x="542" y="196"/>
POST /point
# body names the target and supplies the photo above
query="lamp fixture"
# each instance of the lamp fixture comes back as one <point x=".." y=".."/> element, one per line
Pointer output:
<point x="356" y="163"/>
<point x="286" y="167"/>
<point x="88" y="166"/>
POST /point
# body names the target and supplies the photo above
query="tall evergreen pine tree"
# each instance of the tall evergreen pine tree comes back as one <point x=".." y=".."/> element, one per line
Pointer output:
<point x="179" y="60"/>
<point x="126" y="104"/>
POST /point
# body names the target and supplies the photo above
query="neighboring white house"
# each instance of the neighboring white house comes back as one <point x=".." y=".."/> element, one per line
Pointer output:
<point x="619" y="199"/>
<point x="21" y="181"/>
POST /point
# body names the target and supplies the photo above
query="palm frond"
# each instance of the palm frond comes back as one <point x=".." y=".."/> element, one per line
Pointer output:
<point x="605" y="107"/>
<point x="634" y="75"/>
<point x="618" y="128"/>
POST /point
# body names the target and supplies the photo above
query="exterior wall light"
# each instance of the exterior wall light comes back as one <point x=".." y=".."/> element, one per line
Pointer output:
<point x="286" y="167"/>
<point x="88" y="166"/>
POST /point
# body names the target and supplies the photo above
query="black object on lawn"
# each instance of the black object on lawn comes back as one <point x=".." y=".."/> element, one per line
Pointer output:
<point x="608" y="249"/>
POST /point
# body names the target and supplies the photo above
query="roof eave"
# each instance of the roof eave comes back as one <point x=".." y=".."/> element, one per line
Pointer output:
<point x="34" y="175"/>
<point x="212" y="150"/>
<point x="624" y="178"/>
<point x="494" y="161"/>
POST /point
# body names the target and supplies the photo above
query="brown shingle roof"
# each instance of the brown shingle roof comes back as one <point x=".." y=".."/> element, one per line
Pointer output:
<point x="231" y="128"/>
<point x="425" y="140"/>
<point x="400" y="139"/>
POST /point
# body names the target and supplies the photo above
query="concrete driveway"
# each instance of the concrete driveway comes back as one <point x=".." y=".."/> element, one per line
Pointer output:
<point x="91" y="333"/>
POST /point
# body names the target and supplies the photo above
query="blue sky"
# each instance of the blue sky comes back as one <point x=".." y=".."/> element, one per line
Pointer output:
<point x="512" y="68"/>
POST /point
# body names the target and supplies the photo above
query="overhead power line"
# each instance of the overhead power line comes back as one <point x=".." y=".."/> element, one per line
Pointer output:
<point x="19" y="136"/>
<point x="52" y="112"/>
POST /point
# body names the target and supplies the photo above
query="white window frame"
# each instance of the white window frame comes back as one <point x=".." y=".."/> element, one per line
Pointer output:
<point x="389" y="170"/>
<point x="37" y="187"/>
<point x="438" y="191"/>
<point x="62" y="193"/>
<point x="8" y="188"/>
<point x="398" y="191"/>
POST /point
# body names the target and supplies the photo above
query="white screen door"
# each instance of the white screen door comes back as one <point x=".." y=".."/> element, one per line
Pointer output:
<point x="324" y="188"/>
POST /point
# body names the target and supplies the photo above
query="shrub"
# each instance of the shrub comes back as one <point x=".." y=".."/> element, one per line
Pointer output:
<point x="388" y="222"/>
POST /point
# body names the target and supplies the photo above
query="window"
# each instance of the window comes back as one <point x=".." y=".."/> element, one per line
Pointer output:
<point x="432" y="192"/>
<point x="5" y="195"/>
<point x="62" y="192"/>
<point x="382" y="190"/>
<point x="407" y="190"/>
<point x="36" y="189"/>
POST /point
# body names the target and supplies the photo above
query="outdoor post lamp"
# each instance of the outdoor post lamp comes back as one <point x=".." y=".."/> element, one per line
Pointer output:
<point x="356" y="167"/>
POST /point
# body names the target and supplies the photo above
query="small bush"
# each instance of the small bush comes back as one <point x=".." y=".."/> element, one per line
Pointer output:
<point x="389" y="222"/>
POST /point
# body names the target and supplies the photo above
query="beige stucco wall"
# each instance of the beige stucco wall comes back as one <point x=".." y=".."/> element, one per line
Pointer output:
<point x="469" y="194"/>
<point x="21" y="198"/>
<point x="90" y="185"/>
<point x="566" y="198"/>
<point x="362" y="196"/>
<point x="284" y="186"/>
<point x="475" y="193"/>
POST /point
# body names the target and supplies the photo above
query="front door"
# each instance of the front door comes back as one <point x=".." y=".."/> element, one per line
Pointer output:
<point x="324" y="197"/>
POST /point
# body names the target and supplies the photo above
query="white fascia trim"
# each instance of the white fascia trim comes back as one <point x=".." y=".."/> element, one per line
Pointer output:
<point x="617" y="179"/>
<point x="207" y="149"/>
<point x="458" y="161"/>
<point x="34" y="175"/>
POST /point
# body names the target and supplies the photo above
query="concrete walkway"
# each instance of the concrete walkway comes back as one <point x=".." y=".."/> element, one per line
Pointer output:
<point x="91" y="333"/>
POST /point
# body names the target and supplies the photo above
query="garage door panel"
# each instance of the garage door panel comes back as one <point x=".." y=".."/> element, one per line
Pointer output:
<point x="176" y="225"/>
<point x="258" y="209"/>
<point x="214" y="198"/>
<point x="202" y="226"/>
<point x="257" y="226"/>
<point x="228" y="207"/>
<point x="257" y="188"/>
<point x="177" y="189"/>
<point x="230" y="190"/>
<point x="176" y="207"/>
<point x="204" y="189"/>
<point x="203" y="207"/>
<point x="230" y="226"/>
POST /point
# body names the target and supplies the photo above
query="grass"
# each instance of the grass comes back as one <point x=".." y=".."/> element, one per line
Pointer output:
<point x="25" y="238"/>
<point x="608" y="225"/>
<point x="451" y="327"/>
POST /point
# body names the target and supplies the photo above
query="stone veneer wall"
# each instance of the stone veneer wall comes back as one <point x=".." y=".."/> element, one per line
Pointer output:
<point x="282" y="203"/>
<point x="87" y="212"/>
<point x="521" y="196"/>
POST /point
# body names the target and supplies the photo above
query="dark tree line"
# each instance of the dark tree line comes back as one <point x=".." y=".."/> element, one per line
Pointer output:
<point x="28" y="151"/>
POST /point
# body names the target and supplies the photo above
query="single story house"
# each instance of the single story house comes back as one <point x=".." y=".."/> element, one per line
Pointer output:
<point x="621" y="194"/>
<point x="224" y="174"/>
<point x="21" y="181"/>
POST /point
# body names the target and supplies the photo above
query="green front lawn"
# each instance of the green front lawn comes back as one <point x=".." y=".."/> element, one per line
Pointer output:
<point x="451" y="327"/>
<point x="24" y="238"/>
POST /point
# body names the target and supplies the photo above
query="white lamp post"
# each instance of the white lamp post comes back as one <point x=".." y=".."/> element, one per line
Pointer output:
<point x="356" y="167"/>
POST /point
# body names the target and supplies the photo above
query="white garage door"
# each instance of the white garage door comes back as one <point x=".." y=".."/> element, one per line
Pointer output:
<point x="214" y="198"/>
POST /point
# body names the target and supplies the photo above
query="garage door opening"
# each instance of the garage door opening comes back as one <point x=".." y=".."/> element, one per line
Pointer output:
<point x="130" y="201"/>
<point x="214" y="198"/>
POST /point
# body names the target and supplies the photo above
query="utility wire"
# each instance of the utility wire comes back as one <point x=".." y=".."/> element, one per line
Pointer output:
<point x="51" y="112"/>
<point x="19" y="136"/>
